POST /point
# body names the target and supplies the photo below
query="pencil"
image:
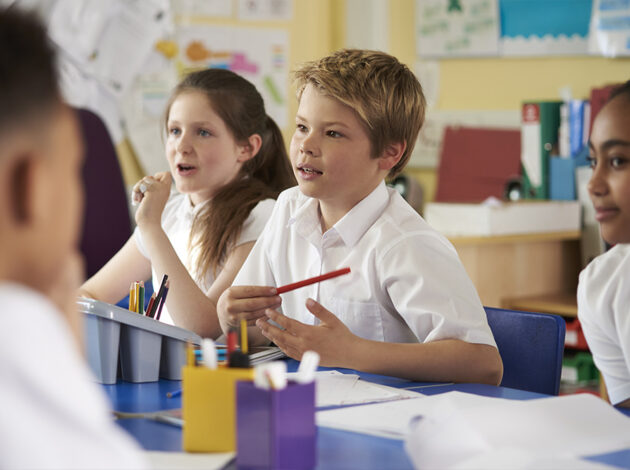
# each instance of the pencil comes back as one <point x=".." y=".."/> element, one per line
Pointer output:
<point x="140" y="308"/>
<point x="132" y="294"/>
<point x="136" y="296"/>
<point x="312" y="280"/>
<point x="174" y="394"/>
<point x="231" y="341"/>
<point x="151" y="301"/>
<point x="244" y="346"/>
<point x="190" y="354"/>
<point x="162" y="300"/>
<point x="158" y="298"/>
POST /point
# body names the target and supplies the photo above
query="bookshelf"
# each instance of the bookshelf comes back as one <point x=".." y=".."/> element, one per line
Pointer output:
<point x="531" y="266"/>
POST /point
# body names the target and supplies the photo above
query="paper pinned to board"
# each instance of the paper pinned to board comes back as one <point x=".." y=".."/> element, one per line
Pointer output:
<point x="456" y="429"/>
<point x="333" y="388"/>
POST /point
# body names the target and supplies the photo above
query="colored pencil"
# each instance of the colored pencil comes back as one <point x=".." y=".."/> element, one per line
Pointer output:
<point x="151" y="301"/>
<point x="312" y="280"/>
<point x="132" y="295"/>
<point x="158" y="298"/>
<point x="244" y="346"/>
<point x="162" y="300"/>
<point x="140" y="308"/>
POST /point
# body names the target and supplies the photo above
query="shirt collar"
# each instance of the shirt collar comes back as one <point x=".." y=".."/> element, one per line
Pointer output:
<point x="360" y="218"/>
<point x="188" y="210"/>
<point x="352" y="226"/>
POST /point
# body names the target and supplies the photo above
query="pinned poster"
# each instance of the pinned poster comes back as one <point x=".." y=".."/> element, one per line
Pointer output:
<point x="259" y="55"/>
<point x="457" y="28"/>
<point x="265" y="10"/>
<point x="610" y="28"/>
<point x="544" y="27"/>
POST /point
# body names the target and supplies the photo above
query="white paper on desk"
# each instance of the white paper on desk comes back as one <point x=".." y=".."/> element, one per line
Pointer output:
<point x="183" y="460"/>
<point x="333" y="388"/>
<point x="455" y="428"/>
<point x="519" y="459"/>
<point x="390" y="419"/>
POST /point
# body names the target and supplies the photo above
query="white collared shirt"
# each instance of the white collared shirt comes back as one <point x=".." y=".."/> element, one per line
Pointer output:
<point x="54" y="414"/>
<point x="177" y="220"/>
<point x="407" y="283"/>
<point x="604" y="313"/>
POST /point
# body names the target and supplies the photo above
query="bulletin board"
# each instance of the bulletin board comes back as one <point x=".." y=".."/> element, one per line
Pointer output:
<point x="250" y="38"/>
<point x="469" y="28"/>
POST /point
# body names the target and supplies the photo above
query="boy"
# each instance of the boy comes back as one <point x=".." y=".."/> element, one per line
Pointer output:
<point x="54" y="415"/>
<point x="604" y="287"/>
<point x="408" y="308"/>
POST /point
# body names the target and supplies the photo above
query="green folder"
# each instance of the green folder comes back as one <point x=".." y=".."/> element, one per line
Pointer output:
<point x="539" y="139"/>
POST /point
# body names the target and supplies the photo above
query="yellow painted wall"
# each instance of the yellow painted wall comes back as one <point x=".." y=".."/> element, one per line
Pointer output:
<point x="499" y="83"/>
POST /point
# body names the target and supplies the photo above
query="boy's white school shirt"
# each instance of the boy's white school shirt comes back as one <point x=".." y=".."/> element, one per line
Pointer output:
<point x="54" y="414"/>
<point x="177" y="219"/>
<point x="406" y="284"/>
<point x="604" y="313"/>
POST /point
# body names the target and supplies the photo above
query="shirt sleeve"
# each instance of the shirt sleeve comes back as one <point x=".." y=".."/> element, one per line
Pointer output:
<point x="430" y="289"/>
<point x="255" y="223"/>
<point x="603" y="299"/>
<point x="256" y="271"/>
<point x="58" y="417"/>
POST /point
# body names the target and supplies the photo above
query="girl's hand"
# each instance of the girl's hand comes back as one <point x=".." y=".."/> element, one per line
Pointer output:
<point x="151" y="194"/>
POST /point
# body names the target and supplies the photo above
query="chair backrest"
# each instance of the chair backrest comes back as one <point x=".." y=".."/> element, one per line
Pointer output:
<point x="531" y="346"/>
<point x="107" y="224"/>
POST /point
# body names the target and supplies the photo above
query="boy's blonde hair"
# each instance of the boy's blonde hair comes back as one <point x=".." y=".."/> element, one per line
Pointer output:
<point x="384" y="93"/>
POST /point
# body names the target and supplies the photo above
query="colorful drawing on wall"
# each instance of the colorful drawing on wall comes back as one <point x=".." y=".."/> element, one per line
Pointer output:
<point x="544" y="27"/>
<point x="455" y="28"/>
<point x="260" y="55"/>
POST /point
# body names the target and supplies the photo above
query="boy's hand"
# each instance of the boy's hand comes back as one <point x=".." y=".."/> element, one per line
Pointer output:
<point x="151" y="194"/>
<point x="245" y="302"/>
<point x="331" y="339"/>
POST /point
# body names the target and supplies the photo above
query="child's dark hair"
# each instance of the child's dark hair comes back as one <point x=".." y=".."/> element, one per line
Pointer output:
<point x="621" y="90"/>
<point x="217" y="227"/>
<point x="28" y="76"/>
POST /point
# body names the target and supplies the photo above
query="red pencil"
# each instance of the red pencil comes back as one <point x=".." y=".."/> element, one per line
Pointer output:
<point x="312" y="280"/>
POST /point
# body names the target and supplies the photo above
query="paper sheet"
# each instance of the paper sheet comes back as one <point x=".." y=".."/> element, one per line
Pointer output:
<point x="333" y="388"/>
<point x="390" y="419"/>
<point x="456" y="428"/>
<point x="183" y="460"/>
<point x="519" y="459"/>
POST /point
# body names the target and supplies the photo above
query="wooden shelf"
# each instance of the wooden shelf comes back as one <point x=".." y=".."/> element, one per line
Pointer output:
<point x="520" y="266"/>
<point x="518" y="238"/>
<point x="564" y="303"/>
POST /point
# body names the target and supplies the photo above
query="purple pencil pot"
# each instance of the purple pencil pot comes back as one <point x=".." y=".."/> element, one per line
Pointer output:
<point x="275" y="428"/>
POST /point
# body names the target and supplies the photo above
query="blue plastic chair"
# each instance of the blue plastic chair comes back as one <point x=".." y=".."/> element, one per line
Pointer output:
<point x="531" y="346"/>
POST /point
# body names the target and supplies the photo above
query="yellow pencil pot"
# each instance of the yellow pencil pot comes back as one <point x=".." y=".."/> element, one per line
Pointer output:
<point x="209" y="407"/>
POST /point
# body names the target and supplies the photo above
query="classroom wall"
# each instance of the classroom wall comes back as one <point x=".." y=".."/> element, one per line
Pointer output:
<point x="316" y="29"/>
<point x="498" y="83"/>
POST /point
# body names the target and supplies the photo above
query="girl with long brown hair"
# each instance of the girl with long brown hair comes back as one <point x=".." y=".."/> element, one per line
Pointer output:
<point x="228" y="161"/>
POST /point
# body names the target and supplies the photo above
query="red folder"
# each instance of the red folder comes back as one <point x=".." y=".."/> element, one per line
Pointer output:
<point x="476" y="163"/>
<point x="598" y="99"/>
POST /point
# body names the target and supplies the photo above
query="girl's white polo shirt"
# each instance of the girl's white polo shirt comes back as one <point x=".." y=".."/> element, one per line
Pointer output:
<point x="177" y="219"/>
<point x="604" y="313"/>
